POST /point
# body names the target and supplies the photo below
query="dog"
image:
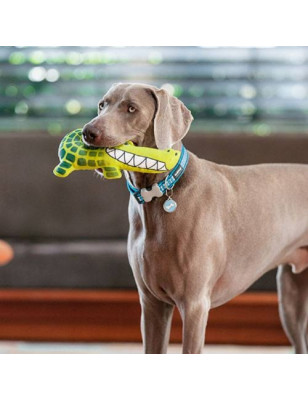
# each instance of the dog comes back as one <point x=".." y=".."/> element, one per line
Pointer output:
<point x="231" y="224"/>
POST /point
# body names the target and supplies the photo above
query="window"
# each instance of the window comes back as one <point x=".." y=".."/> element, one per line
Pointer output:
<point x="228" y="89"/>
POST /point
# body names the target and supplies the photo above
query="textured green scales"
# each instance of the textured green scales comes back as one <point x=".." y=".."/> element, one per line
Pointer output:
<point x="73" y="151"/>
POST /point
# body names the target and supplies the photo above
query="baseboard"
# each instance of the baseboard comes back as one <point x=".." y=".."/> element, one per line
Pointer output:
<point x="114" y="315"/>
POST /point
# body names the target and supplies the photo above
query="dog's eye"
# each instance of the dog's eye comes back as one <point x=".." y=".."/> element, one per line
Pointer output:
<point x="131" y="109"/>
<point x="101" y="105"/>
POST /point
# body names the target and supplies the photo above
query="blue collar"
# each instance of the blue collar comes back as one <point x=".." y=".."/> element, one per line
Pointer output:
<point x="160" y="188"/>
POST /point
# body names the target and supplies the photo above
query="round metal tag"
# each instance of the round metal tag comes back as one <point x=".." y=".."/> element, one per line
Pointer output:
<point x="170" y="206"/>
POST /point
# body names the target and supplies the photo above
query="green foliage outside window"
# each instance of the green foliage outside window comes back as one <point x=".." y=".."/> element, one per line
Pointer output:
<point x="257" y="90"/>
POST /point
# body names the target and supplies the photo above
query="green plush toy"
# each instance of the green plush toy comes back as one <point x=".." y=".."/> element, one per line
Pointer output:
<point x="74" y="155"/>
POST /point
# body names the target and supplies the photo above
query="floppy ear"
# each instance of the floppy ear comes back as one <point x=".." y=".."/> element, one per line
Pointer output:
<point x="172" y="119"/>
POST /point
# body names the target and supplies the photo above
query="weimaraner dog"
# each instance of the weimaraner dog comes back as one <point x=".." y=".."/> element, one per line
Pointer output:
<point x="231" y="224"/>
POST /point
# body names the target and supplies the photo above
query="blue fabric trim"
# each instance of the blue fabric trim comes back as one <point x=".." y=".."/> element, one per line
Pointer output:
<point x="167" y="183"/>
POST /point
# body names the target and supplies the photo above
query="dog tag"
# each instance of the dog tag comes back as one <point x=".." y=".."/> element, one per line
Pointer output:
<point x="170" y="205"/>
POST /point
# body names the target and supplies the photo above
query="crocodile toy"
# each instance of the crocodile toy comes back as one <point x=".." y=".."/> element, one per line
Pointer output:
<point x="75" y="155"/>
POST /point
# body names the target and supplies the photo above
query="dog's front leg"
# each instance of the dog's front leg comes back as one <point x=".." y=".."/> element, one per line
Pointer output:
<point x="156" y="317"/>
<point x="194" y="316"/>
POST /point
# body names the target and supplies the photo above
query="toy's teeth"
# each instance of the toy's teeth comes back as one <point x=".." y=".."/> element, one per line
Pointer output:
<point x="150" y="162"/>
<point x="161" y="166"/>
<point x="111" y="152"/>
<point x="136" y="161"/>
<point x="143" y="164"/>
<point x="122" y="157"/>
<point x="118" y="154"/>
<point x="128" y="157"/>
<point x="131" y="162"/>
<point x="139" y="160"/>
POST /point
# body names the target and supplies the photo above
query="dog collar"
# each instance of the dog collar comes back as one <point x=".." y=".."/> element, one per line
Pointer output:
<point x="162" y="187"/>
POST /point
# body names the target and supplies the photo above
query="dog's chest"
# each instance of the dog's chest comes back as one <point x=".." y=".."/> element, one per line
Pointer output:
<point x="157" y="266"/>
<point x="162" y="256"/>
<point x="150" y="257"/>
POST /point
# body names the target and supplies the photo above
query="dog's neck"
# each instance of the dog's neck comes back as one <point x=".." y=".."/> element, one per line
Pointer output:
<point x="142" y="180"/>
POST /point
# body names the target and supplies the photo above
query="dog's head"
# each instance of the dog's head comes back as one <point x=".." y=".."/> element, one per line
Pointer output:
<point x="141" y="113"/>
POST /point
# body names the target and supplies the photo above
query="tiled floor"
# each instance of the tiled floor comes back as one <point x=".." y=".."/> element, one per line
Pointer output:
<point x="7" y="347"/>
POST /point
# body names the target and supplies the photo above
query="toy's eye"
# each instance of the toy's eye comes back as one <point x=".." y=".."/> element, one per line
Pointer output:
<point x="131" y="109"/>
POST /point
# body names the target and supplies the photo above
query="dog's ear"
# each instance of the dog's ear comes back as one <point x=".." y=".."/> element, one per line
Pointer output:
<point x="172" y="119"/>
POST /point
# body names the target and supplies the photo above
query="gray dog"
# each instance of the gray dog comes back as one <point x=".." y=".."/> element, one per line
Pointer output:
<point x="231" y="225"/>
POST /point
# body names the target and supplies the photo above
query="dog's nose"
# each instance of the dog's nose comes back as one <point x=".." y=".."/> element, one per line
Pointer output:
<point x="89" y="133"/>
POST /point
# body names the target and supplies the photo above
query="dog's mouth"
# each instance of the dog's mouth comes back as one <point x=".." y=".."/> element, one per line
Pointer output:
<point x="91" y="146"/>
<point x="99" y="171"/>
<point x="88" y="145"/>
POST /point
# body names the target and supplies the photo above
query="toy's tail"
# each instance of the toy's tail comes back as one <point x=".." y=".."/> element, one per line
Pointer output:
<point x="63" y="169"/>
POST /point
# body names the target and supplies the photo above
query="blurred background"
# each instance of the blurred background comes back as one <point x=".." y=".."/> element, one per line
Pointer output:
<point x="69" y="280"/>
<point x="256" y="90"/>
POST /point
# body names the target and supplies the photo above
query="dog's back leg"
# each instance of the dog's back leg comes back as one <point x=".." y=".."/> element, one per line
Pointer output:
<point x="293" y="305"/>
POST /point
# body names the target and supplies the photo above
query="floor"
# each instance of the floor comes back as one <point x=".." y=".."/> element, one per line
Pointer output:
<point x="11" y="347"/>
